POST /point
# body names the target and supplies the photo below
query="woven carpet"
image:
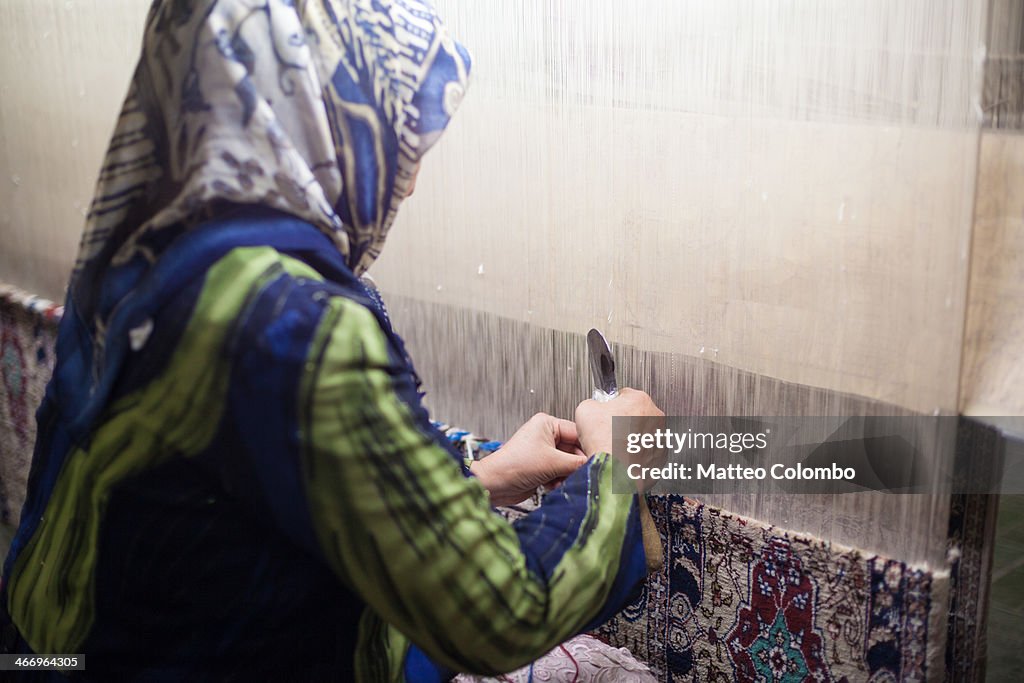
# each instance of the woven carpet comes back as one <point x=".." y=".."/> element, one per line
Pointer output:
<point x="28" y="330"/>
<point x="739" y="600"/>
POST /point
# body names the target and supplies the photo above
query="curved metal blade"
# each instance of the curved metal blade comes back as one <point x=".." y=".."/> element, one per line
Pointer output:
<point x="602" y="363"/>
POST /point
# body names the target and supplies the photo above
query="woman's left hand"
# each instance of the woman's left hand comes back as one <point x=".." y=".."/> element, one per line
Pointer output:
<point x="543" y="452"/>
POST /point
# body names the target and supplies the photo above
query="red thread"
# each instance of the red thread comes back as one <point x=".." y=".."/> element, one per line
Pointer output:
<point x="575" y="676"/>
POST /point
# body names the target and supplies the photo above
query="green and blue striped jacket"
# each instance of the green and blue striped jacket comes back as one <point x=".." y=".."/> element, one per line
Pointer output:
<point x="245" y="486"/>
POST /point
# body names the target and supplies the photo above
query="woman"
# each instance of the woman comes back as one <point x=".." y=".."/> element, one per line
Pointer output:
<point x="234" y="477"/>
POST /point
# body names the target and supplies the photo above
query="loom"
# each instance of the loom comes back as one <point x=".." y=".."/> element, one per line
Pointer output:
<point x="770" y="208"/>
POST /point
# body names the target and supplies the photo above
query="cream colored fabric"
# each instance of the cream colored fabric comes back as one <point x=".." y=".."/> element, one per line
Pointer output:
<point x="580" y="660"/>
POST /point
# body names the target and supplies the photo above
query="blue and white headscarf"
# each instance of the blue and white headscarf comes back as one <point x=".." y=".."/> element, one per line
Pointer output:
<point x="319" y="108"/>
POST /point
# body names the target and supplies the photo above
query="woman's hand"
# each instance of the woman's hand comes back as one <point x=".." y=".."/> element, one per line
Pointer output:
<point x="543" y="452"/>
<point x="594" y="420"/>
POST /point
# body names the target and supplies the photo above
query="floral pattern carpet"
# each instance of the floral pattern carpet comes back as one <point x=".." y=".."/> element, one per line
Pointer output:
<point x="739" y="600"/>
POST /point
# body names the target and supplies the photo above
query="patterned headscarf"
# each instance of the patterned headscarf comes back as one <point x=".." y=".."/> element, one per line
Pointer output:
<point x="319" y="108"/>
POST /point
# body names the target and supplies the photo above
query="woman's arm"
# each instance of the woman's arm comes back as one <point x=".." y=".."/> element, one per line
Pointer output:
<point x="397" y="519"/>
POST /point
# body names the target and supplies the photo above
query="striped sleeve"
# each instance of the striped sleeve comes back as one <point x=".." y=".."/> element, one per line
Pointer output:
<point x="418" y="541"/>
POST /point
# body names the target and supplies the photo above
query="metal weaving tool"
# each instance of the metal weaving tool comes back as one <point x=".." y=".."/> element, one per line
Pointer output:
<point x="606" y="388"/>
<point x="602" y="367"/>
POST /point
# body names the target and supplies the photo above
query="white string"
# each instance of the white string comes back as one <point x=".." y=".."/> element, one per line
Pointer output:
<point x="754" y="190"/>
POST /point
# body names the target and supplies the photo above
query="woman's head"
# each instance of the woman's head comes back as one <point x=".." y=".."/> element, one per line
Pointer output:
<point x="320" y="108"/>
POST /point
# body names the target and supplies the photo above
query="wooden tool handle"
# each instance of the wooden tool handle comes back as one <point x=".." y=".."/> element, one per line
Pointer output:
<point x="652" y="539"/>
